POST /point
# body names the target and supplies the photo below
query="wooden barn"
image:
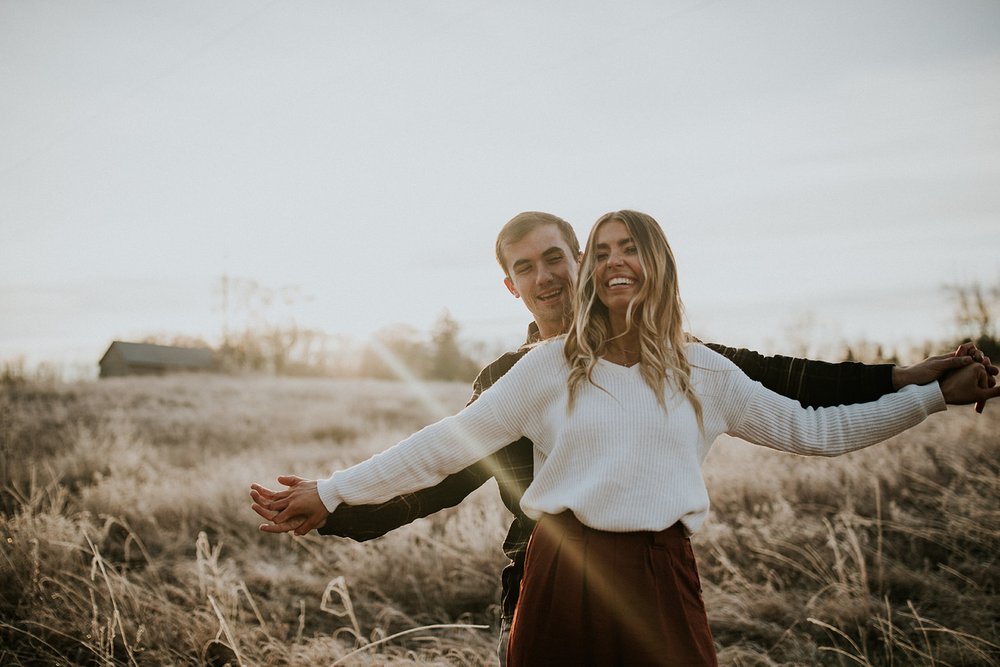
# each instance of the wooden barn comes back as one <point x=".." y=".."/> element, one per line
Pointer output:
<point x="147" y="359"/>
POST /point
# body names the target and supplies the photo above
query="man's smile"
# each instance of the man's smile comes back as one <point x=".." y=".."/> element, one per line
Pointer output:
<point x="551" y="295"/>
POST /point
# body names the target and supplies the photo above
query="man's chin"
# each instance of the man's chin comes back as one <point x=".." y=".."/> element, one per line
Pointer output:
<point x="554" y="311"/>
<point x="559" y="316"/>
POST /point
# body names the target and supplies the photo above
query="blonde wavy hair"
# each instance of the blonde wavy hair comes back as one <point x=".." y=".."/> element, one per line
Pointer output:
<point x="656" y="312"/>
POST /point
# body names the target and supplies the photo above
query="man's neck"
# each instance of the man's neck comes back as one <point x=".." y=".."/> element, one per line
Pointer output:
<point x="550" y="329"/>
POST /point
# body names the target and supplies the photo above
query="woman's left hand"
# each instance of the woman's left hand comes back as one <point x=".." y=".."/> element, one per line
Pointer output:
<point x="972" y="384"/>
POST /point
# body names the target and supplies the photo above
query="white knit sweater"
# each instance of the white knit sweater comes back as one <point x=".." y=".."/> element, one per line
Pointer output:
<point x="618" y="460"/>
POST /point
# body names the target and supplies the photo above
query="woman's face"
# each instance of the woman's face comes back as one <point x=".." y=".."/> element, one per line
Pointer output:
<point x="617" y="271"/>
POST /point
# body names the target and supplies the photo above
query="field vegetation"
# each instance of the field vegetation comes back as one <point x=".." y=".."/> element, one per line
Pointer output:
<point x="127" y="536"/>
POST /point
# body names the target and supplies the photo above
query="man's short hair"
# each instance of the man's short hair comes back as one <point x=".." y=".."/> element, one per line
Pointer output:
<point x="524" y="223"/>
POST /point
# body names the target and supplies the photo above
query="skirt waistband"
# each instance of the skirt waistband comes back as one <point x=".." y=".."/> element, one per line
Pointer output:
<point x="567" y="523"/>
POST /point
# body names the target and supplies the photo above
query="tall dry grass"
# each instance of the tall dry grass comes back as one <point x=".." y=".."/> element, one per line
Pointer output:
<point x="128" y="539"/>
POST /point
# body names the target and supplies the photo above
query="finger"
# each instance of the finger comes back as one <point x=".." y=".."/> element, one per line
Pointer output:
<point x="948" y="362"/>
<point x="279" y="505"/>
<point x="265" y="502"/>
<point x="290" y="480"/>
<point x="281" y="495"/>
<point x="286" y="527"/>
<point x="987" y="384"/>
<point x="309" y="524"/>
<point x="288" y="514"/>
<point x="986" y="394"/>
<point x="965" y="349"/>
<point x="985" y="387"/>
<point x="264" y="512"/>
<point x="263" y="491"/>
<point x="990" y="382"/>
<point x="982" y="377"/>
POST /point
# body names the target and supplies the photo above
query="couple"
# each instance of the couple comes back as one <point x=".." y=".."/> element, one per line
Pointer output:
<point x="599" y="435"/>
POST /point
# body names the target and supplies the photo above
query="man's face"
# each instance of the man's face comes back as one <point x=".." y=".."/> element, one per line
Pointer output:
<point x="542" y="271"/>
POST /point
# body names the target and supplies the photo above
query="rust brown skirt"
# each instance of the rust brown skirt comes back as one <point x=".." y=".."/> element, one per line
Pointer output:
<point x="591" y="597"/>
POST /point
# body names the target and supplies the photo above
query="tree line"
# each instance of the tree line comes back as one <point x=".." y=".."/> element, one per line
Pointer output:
<point x="262" y="345"/>
<point x="397" y="351"/>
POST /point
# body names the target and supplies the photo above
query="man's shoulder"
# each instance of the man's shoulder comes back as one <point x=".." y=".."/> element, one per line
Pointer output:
<point x="497" y="368"/>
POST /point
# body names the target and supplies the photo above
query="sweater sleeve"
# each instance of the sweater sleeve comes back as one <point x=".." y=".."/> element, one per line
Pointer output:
<point x="366" y="522"/>
<point x="756" y="414"/>
<point x="421" y="460"/>
<point x="497" y="418"/>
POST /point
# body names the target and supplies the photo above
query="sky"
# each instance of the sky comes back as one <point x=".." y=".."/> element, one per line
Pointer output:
<point x="822" y="168"/>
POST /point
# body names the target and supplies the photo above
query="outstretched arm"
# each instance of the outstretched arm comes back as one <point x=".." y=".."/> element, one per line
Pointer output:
<point x="427" y="457"/>
<point x="366" y="522"/>
<point x="420" y="461"/>
<point x="763" y="417"/>
<point x="821" y="384"/>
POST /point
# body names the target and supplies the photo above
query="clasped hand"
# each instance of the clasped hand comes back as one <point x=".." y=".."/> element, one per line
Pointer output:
<point x="297" y="509"/>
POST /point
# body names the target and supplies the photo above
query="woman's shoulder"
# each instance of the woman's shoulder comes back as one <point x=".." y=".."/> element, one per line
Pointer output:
<point x="551" y="350"/>
<point x="541" y="357"/>
<point x="714" y="376"/>
<point x="702" y="357"/>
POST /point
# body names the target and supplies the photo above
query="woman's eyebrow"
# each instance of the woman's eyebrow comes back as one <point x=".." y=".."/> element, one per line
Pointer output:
<point x="625" y="241"/>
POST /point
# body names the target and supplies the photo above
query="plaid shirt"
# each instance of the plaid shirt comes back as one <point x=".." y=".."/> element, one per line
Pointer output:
<point x="812" y="383"/>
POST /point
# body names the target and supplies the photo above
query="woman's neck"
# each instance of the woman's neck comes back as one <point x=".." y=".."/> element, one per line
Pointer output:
<point x="623" y="346"/>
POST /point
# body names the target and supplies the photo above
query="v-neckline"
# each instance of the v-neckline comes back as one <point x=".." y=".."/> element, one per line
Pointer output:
<point x="621" y="366"/>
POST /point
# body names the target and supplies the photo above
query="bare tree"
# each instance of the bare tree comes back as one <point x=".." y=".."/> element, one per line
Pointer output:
<point x="976" y="309"/>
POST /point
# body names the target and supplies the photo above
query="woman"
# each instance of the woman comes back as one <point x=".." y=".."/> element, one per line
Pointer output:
<point x="622" y="411"/>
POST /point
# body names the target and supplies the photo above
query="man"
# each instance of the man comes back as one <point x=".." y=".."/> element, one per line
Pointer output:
<point x="539" y="254"/>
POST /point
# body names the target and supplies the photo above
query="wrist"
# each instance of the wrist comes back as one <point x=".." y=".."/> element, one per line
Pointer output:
<point x="900" y="377"/>
<point x="327" y="491"/>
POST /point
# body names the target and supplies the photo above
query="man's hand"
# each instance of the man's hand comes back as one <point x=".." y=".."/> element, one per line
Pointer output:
<point x="971" y="350"/>
<point x="297" y="509"/>
<point x="936" y="367"/>
<point x="972" y="384"/>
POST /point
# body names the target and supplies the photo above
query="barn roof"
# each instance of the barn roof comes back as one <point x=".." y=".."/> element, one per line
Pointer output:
<point x="165" y="356"/>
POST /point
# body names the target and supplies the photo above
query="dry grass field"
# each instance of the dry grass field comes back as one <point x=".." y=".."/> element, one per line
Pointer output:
<point x="128" y="538"/>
